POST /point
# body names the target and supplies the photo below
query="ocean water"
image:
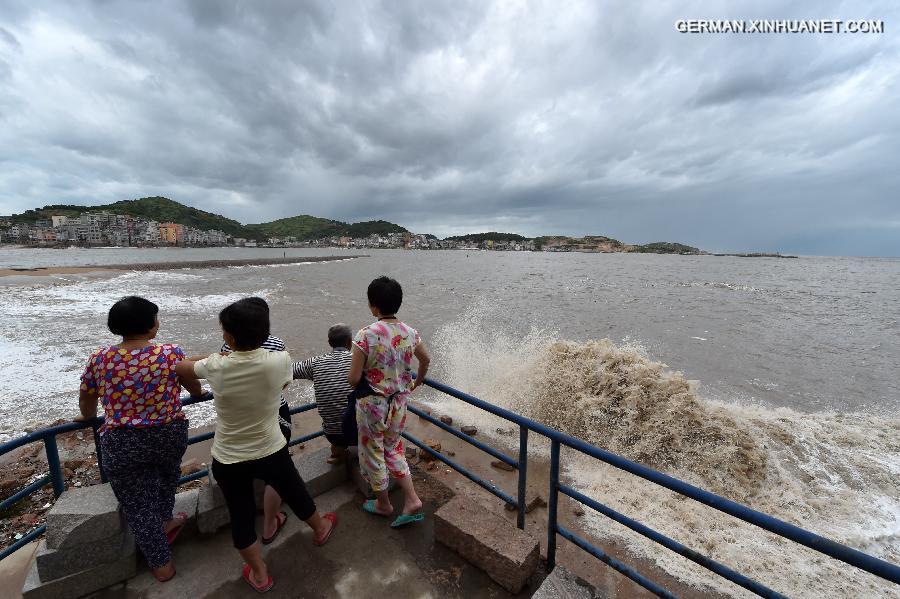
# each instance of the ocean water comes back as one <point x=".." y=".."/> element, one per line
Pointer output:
<point x="769" y="381"/>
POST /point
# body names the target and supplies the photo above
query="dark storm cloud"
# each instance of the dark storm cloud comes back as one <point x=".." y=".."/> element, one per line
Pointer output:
<point x="535" y="117"/>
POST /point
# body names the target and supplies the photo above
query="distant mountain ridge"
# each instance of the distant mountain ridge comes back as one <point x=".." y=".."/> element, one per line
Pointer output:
<point x="309" y="228"/>
<point x="303" y="227"/>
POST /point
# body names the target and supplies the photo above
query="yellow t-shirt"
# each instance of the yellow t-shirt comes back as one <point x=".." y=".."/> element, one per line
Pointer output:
<point x="247" y="387"/>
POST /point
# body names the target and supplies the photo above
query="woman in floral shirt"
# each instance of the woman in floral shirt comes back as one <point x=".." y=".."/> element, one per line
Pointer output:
<point x="382" y="360"/>
<point x="144" y="432"/>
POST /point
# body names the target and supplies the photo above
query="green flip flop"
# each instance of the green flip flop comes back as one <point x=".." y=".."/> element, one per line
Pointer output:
<point x="404" y="519"/>
<point x="369" y="506"/>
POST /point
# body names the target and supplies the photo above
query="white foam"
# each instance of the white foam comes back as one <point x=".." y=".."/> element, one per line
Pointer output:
<point x="834" y="474"/>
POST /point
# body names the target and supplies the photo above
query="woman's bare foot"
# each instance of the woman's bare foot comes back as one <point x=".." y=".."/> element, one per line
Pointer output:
<point x="164" y="573"/>
<point x="412" y="507"/>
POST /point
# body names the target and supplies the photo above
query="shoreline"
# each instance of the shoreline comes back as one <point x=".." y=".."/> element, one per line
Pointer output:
<point x="39" y="271"/>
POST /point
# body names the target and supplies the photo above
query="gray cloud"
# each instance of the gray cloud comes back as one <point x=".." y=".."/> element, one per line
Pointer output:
<point x="447" y="117"/>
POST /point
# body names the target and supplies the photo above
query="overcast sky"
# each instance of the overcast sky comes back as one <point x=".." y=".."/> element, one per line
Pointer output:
<point x="446" y="117"/>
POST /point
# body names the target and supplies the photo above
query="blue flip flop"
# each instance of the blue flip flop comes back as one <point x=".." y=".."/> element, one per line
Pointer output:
<point x="404" y="519"/>
<point x="369" y="506"/>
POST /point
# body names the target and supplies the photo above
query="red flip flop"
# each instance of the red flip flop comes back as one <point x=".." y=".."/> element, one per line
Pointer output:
<point x="173" y="534"/>
<point x="259" y="588"/>
<point x="331" y="517"/>
<point x="281" y="521"/>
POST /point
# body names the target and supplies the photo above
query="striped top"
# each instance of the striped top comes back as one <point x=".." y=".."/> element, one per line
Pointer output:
<point x="329" y="376"/>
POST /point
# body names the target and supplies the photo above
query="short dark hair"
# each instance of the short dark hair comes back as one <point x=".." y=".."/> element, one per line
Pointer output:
<point x="385" y="294"/>
<point x="132" y="315"/>
<point x="246" y="320"/>
<point x="339" y="335"/>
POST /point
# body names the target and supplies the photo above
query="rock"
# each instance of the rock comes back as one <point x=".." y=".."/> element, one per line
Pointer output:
<point x="469" y="430"/>
<point x="446" y="420"/>
<point x="434" y="445"/>
<point x="487" y="540"/>
<point x="76" y="463"/>
<point x="82" y="516"/>
<point x="9" y="485"/>
<point x="502" y="466"/>
<point x="431" y="465"/>
<point x="68" y="472"/>
<point x="578" y="512"/>
<point x="411" y="451"/>
<point x="451" y="453"/>
<point x="190" y="466"/>
<point x="535" y="503"/>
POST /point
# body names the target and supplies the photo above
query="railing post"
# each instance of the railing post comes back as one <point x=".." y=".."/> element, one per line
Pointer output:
<point x="551" y="505"/>
<point x="96" y="428"/>
<point x="523" y="474"/>
<point x="56" y="477"/>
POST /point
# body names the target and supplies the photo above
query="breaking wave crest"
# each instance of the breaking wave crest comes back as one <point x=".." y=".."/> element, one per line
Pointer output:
<point x="834" y="474"/>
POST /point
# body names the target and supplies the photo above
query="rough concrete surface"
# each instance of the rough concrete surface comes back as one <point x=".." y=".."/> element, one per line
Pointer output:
<point x="81" y="583"/>
<point x="317" y="473"/>
<point x="83" y="515"/>
<point x="364" y="559"/>
<point x="59" y="563"/>
<point x="562" y="584"/>
<point x="509" y="555"/>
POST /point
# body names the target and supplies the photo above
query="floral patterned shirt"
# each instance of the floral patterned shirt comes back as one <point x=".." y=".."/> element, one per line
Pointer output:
<point x="389" y="348"/>
<point x="138" y="388"/>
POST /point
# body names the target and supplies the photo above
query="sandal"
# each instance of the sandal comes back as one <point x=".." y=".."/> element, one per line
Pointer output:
<point x="282" y="518"/>
<point x="369" y="506"/>
<point x="259" y="588"/>
<point x="331" y="517"/>
<point x="404" y="519"/>
<point x="173" y="534"/>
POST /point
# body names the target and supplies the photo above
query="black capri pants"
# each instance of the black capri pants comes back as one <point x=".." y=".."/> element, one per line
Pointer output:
<point x="236" y="481"/>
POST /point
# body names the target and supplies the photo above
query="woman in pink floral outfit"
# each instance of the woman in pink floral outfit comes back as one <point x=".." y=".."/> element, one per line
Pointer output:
<point x="382" y="358"/>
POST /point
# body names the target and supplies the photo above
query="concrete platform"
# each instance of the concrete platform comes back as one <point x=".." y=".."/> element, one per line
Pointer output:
<point x="562" y="584"/>
<point x="364" y="559"/>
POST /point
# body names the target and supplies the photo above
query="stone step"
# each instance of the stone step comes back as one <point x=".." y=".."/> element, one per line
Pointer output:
<point x="81" y="583"/>
<point x="489" y="541"/>
<point x="562" y="584"/>
<point x="53" y="564"/>
<point x="84" y="515"/>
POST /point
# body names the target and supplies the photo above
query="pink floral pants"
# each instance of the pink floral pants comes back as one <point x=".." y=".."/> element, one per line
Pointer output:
<point x="380" y="445"/>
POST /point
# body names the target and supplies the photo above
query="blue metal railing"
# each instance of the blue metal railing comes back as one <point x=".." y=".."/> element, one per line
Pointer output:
<point x="557" y="439"/>
<point x="833" y="549"/>
<point x="54" y="476"/>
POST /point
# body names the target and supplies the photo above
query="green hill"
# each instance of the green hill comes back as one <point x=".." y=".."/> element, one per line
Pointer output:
<point x="665" y="247"/>
<point x="163" y="210"/>
<point x="305" y="227"/>
<point x="156" y="208"/>
<point x="481" y="237"/>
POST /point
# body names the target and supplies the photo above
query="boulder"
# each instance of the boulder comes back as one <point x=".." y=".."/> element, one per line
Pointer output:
<point x="317" y="473"/>
<point x="446" y="420"/>
<point x="434" y="445"/>
<point x="469" y="430"/>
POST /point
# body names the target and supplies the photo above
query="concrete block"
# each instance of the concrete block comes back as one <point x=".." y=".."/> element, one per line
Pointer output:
<point x="317" y="473"/>
<point x="212" y="514"/>
<point x="562" y="584"/>
<point x="53" y="564"/>
<point x="187" y="502"/>
<point x="81" y="583"/>
<point x="487" y="540"/>
<point x="355" y="475"/>
<point x="84" y="515"/>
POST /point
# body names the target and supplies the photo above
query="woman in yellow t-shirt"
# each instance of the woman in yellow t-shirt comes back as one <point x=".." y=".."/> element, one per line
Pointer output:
<point x="248" y="442"/>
